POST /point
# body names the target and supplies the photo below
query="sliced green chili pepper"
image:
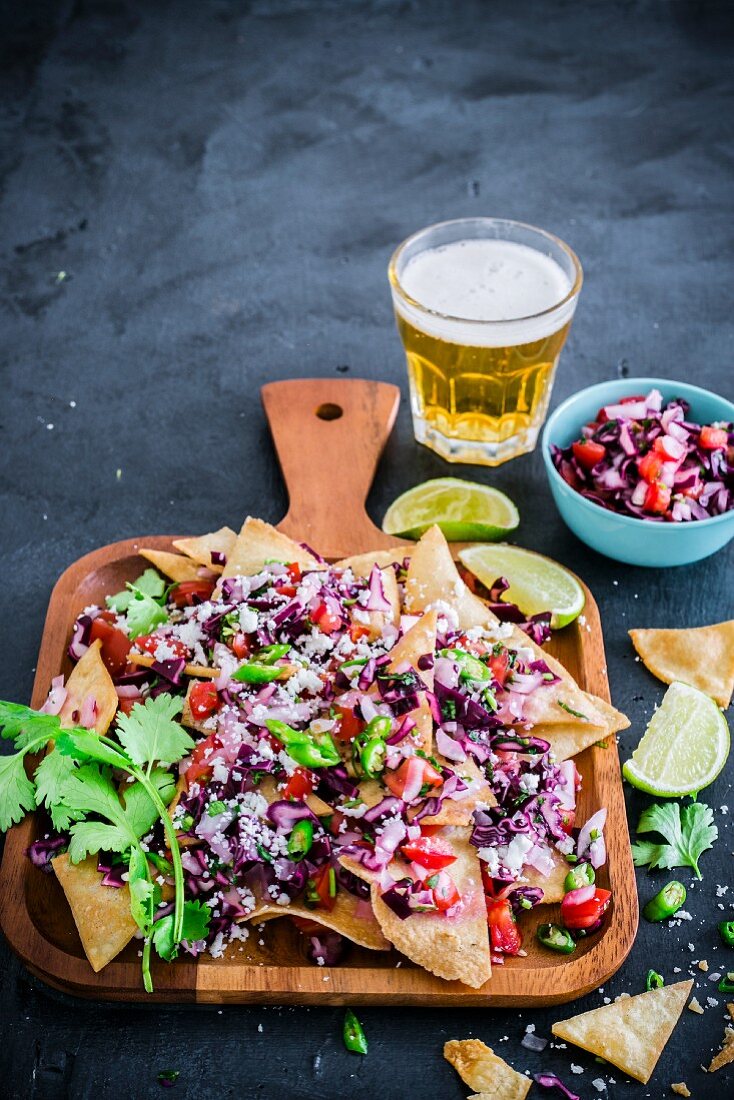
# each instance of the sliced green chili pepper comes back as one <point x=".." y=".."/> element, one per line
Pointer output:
<point x="354" y="1036"/>
<point x="469" y="667"/>
<point x="160" y="864"/>
<point x="582" y="874"/>
<point x="270" y="653"/>
<point x="253" y="673"/>
<point x="726" y="931"/>
<point x="654" y="980"/>
<point x="372" y="758"/>
<point x="556" y="939"/>
<point x="312" y="750"/>
<point x="300" y="840"/>
<point x="215" y="808"/>
<point x="666" y="903"/>
<point x="726" y="985"/>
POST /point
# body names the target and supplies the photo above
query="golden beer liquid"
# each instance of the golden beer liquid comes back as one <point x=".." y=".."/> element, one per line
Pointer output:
<point x="481" y="394"/>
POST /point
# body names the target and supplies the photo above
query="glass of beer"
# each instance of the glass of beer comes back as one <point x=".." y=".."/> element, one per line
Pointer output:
<point x="483" y="307"/>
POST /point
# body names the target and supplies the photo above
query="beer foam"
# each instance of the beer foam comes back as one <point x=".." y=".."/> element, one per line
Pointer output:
<point x="474" y="280"/>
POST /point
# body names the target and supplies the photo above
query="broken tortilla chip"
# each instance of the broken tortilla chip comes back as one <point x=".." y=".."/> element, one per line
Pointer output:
<point x="631" y="1033"/>
<point x="454" y="947"/>
<point x="101" y="913"/>
<point x="460" y="811"/>
<point x="144" y="660"/>
<point x="480" y="1068"/>
<point x="433" y="581"/>
<point x="726" y="1054"/>
<point x="701" y="656"/>
<point x="259" y="543"/>
<point x="200" y="549"/>
<point x="174" y="566"/>
<point x="350" y="917"/>
<point x="361" y="564"/>
<point x="90" y="679"/>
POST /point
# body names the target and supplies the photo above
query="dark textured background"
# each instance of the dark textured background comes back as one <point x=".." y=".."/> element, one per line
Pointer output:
<point x="222" y="184"/>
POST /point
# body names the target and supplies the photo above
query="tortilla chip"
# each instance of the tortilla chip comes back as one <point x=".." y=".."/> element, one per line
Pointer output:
<point x="200" y="549"/>
<point x="90" y="677"/>
<point x="174" y="566"/>
<point x="631" y="1033"/>
<point x="101" y="913"/>
<point x="456" y="947"/>
<point x="460" y="811"/>
<point x="433" y="581"/>
<point x="552" y="884"/>
<point x="259" y="543"/>
<point x="702" y="656"/>
<point x="726" y="1054"/>
<point x="419" y="641"/>
<point x="480" y="1068"/>
<point x="144" y="660"/>
<point x="348" y="918"/>
<point x="361" y="564"/>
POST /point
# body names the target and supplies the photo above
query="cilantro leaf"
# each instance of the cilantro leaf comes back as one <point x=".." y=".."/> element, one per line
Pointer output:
<point x="89" y="790"/>
<point x="25" y="725"/>
<point x="144" y="615"/>
<point x="150" y="733"/>
<point x="688" y="834"/>
<point x="144" y="895"/>
<point x="86" y="747"/>
<point x="140" y="811"/>
<point x="51" y="776"/>
<point x="195" y="927"/>
<point x="148" y="583"/>
<point x="17" y="794"/>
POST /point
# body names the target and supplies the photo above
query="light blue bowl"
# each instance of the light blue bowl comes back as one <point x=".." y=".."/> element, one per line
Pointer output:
<point x="625" y="538"/>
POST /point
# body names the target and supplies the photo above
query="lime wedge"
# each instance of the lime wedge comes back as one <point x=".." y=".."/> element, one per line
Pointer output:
<point x="536" y="583"/>
<point x="465" y="511"/>
<point x="684" y="747"/>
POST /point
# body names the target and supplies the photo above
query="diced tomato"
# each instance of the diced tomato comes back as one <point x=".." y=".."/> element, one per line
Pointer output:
<point x="650" y="465"/>
<point x="300" y="784"/>
<point x="713" y="438"/>
<point x="579" y="914"/>
<point x="199" y="768"/>
<point x="149" y="644"/>
<point x="187" y="593"/>
<point x="430" y="830"/>
<point x="657" y="497"/>
<point x="325" y="619"/>
<point x="321" y="882"/>
<point x="294" y="572"/>
<point x="335" y="822"/>
<point x="240" y="645"/>
<point x="126" y="705"/>
<point x="358" y="631"/>
<point x="670" y="449"/>
<point x="445" y="893"/>
<point x="633" y="399"/>
<point x="568" y="820"/>
<point x="429" y="852"/>
<point x="349" y="725"/>
<point x="411" y="777"/>
<point x="499" y="664"/>
<point x="115" y="645"/>
<point x="109" y="616"/>
<point x="288" y="590"/>
<point x="487" y="883"/>
<point x="203" y="699"/>
<point x="588" y="453"/>
<point x="504" y="935"/>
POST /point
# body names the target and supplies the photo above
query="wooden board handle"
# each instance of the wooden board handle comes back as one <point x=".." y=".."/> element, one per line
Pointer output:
<point x="329" y="434"/>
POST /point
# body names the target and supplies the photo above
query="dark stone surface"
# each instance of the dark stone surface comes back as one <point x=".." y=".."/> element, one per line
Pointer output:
<point x="222" y="184"/>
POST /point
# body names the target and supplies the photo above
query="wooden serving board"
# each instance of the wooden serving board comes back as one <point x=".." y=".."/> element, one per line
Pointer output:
<point x="328" y="435"/>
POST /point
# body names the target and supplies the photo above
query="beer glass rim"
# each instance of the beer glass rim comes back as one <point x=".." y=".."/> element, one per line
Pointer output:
<point x="397" y="286"/>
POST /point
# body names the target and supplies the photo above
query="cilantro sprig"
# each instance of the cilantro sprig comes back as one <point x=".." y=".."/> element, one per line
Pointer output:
<point x="74" y="782"/>
<point x="688" y="833"/>
<point x="142" y="602"/>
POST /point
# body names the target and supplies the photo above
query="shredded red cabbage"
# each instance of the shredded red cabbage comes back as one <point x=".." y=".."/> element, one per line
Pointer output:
<point x="552" y="1081"/>
<point x="647" y="459"/>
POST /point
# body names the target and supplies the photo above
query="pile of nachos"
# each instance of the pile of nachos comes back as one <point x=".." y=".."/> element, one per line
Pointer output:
<point x="249" y="733"/>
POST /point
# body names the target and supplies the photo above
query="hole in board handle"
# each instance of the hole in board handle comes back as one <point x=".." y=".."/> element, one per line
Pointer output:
<point x="328" y="411"/>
